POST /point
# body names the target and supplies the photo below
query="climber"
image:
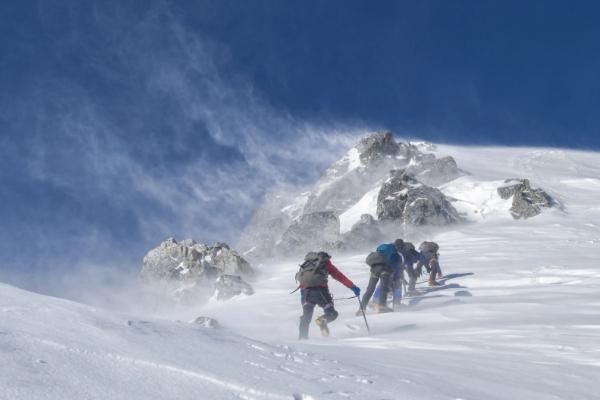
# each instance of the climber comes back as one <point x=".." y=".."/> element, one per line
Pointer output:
<point x="386" y="266"/>
<point x="430" y="259"/>
<point x="312" y="280"/>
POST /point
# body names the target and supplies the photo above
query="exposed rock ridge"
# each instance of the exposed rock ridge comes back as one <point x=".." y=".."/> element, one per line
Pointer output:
<point x="527" y="202"/>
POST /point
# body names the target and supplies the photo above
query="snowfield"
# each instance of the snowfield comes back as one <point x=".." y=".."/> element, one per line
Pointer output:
<point x="518" y="318"/>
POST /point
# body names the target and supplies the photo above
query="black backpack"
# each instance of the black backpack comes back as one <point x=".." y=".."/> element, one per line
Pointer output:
<point x="429" y="247"/>
<point x="376" y="258"/>
<point x="313" y="271"/>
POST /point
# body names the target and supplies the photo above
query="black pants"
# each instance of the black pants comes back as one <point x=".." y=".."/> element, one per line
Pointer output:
<point x="311" y="297"/>
<point x="378" y="272"/>
<point x="413" y="274"/>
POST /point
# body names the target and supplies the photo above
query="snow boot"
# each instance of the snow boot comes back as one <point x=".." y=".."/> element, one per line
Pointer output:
<point x="322" y="324"/>
<point x="434" y="283"/>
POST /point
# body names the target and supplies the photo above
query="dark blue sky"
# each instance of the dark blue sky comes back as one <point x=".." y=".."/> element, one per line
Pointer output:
<point x="515" y="73"/>
<point x="125" y="122"/>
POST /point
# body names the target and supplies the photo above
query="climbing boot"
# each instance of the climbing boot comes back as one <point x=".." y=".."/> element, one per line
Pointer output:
<point x="322" y="324"/>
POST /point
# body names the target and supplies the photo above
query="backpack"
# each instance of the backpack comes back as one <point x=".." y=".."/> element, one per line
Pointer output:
<point x="376" y="258"/>
<point x="408" y="246"/>
<point x="313" y="271"/>
<point x="429" y="247"/>
<point x="410" y="253"/>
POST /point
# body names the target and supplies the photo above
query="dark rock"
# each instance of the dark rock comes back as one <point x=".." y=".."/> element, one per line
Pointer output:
<point x="378" y="146"/>
<point x="403" y="198"/>
<point x="512" y="186"/>
<point x="527" y="202"/>
<point x="228" y="286"/>
<point x="207" y="322"/>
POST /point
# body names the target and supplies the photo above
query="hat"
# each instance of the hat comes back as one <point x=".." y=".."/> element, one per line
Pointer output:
<point x="399" y="243"/>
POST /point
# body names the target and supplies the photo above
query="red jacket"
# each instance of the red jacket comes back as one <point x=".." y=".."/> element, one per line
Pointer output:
<point x="337" y="275"/>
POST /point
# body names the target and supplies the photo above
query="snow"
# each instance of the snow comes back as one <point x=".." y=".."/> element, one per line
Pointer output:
<point x="518" y="317"/>
<point x="366" y="205"/>
<point x="353" y="158"/>
<point x="348" y="163"/>
<point x="477" y="200"/>
<point x="294" y="210"/>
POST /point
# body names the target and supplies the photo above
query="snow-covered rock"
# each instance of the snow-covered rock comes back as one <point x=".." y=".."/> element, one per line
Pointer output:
<point x="346" y="181"/>
<point x="403" y="198"/>
<point x="190" y="270"/>
<point x="207" y="322"/>
<point x="189" y="261"/>
<point x="527" y="202"/>
<point x="228" y="286"/>
<point x="377" y="147"/>
<point x="433" y="171"/>
<point x="348" y="189"/>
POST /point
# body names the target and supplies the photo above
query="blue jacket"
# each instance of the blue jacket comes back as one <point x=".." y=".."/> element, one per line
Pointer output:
<point x="395" y="259"/>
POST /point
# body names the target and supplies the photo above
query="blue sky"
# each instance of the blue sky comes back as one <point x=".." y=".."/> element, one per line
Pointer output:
<point x="125" y="122"/>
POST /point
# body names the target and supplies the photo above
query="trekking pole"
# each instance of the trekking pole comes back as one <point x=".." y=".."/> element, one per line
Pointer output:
<point x="362" y="310"/>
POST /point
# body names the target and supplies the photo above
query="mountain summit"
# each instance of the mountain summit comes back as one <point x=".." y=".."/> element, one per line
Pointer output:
<point x="360" y="187"/>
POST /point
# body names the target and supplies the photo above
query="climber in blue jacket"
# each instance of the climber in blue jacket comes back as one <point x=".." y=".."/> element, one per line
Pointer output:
<point x="393" y="253"/>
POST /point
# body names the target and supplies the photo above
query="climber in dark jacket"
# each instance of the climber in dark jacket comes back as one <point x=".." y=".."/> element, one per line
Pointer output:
<point x="314" y="290"/>
<point x="398" y="263"/>
<point x="412" y="256"/>
<point x="432" y="265"/>
<point x="383" y="273"/>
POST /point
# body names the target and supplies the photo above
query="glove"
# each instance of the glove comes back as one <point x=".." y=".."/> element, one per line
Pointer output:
<point x="356" y="290"/>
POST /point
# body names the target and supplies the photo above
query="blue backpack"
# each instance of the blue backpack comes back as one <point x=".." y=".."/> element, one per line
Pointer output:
<point x="390" y="252"/>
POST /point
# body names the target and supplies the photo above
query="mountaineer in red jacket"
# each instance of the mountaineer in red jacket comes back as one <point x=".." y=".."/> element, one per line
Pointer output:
<point x="312" y="279"/>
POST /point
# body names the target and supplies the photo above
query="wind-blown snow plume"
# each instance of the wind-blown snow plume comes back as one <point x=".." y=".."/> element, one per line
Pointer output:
<point x="153" y="139"/>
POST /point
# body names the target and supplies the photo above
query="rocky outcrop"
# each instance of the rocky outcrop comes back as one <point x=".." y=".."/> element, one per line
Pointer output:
<point x="207" y="322"/>
<point x="365" y="233"/>
<point x="191" y="270"/>
<point x="342" y="184"/>
<point x="191" y="261"/>
<point x="378" y="146"/>
<point x="527" y="202"/>
<point x="432" y="171"/>
<point x="282" y="223"/>
<point x="403" y="198"/>
<point x="228" y="286"/>
<point x="314" y="231"/>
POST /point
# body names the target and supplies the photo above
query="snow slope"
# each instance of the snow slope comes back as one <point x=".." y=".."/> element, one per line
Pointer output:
<point x="519" y="317"/>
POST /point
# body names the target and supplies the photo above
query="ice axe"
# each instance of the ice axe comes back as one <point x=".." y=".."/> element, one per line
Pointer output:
<point x="362" y="310"/>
